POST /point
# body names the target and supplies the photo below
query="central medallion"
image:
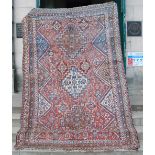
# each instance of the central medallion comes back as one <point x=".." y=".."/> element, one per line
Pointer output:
<point x="72" y="41"/>
<point x="74" y="82"/>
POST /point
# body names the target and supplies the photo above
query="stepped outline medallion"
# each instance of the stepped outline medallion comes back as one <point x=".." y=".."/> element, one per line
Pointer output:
<point x="74" y="82"/>
<point x="72" y="41"/>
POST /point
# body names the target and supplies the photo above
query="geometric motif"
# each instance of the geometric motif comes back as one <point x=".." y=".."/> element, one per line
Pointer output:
<point x="42" y="45"/>
<point x="74" y="82"/>
<point x="103" y="118"/>
<point x="102" y="72"/>
<point x="48" y="120"/>
<point x="43" y="75"/>
<point x="44" y="106"/>
<point x="56" y="25"/>
<point x="72" y="41"/>
<point x="100" y="42"/>
<point x="91" y="105"/>
<point x="77" y="118"/>
<point x="74" y="93"/>
<point x="102" y="91"/>
<point x="102" y="20"/>
<point x="85" y="66"/>
<point x="83" y="24"/>
<point x="108" y="101"/>
<point x="62" y="67"/>
<point x="63" y="107"/>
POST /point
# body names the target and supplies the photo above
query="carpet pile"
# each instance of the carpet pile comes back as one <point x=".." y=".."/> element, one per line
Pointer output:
<point x="75" y="95"/>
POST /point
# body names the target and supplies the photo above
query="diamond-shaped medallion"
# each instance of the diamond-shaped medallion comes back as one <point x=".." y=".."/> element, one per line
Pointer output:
<point x="72" y="41"/>
<point x="75" y="83"/>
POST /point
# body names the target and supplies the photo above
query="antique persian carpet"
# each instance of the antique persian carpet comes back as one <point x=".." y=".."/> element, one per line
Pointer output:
<point x="75" y="94"/>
